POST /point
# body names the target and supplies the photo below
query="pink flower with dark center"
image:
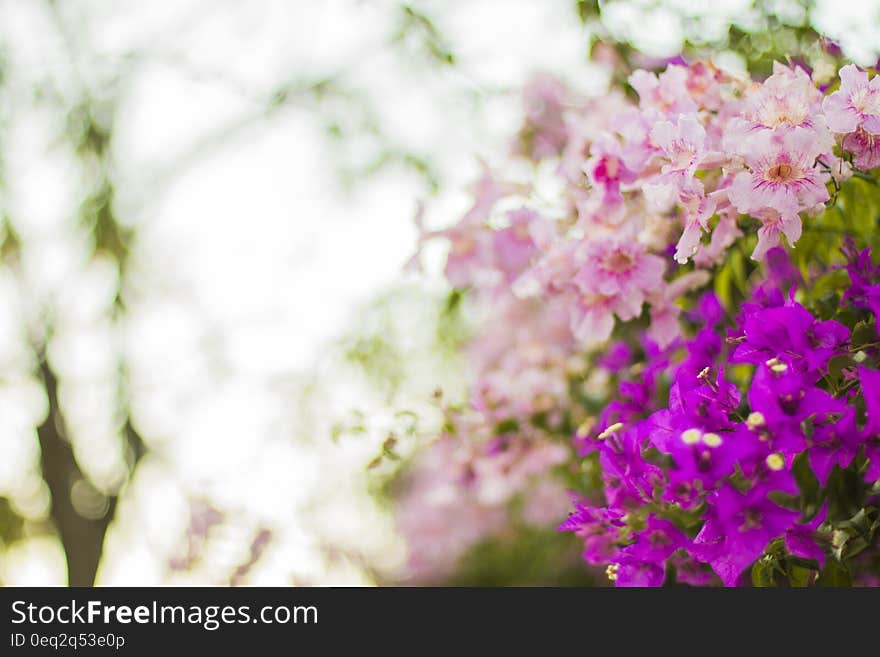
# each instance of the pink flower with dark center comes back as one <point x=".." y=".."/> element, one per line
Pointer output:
<point x="607" y="171"/>
<point x="856" y="104"/>
<point x="620" y="267"/>
<point x="782" y="174"/>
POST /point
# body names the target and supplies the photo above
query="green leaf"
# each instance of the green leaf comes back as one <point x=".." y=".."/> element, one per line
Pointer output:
<point x="808" y="484"/>
<point x="834" y="574"/>
<point x="510" y="425"/>
<point x="837" y="364"/>
<point x="763" y="573"/>
<point x="864" y="333"/>
<point x="799" y="576"/>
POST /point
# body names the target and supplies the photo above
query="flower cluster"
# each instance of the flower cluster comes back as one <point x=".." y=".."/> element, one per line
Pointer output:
<point x="681" y="170"/>
<point x="716" y="431"/>
<point x="712" y="477"/>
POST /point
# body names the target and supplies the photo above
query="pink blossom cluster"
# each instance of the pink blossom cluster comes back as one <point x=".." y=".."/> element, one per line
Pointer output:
<point x="458" y="493"/>
<point x="631" y="203"/>
<point x="702" y="159"/>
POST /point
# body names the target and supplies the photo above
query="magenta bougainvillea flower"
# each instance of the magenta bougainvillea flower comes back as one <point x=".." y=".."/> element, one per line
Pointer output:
<point x="870" y="380"/>
<point x="789" y="336"/>
<point x="727" y="463"/>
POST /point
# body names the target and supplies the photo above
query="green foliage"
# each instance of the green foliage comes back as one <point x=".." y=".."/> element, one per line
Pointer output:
<point x="835" y="574"/>
<point x="452" y="328"/>
<point x="379" y="359"/>
<point x="10" y="241"/>
<point x="765" y="33"/>
<point x="527" y="556"/>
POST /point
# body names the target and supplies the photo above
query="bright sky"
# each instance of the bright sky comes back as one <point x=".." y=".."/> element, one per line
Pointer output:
<point x="251" y="258"/>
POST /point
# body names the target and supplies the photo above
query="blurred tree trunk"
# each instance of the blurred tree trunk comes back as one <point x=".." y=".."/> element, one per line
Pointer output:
<point x="81" y="537"/>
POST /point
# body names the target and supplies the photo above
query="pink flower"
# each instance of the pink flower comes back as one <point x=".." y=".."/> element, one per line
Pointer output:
<point x="782" y="174"/>
<point x="683" y="143"/>
<point x="635" y="126"/>
<point x="595" y="120"/>
<point x="775" y="224"/>
<point x="664" y="311"/>
<point x="487" y="190"/>
<point x="553" y="271"/>
<point x="620" y="267"/>
<point x="438" y="513"/>
<point x="696" y="210"/>
<point x="615" y="277"/>
<point x="855" y="104"/>
<point x="704" y="84"/>
<point x="667" y="93"/>
<point x="513" y="246"/>
<point x="544" y="133"/>
<point x="724" y="235"/>
<point x="788" y="97"/>
<point x="606" y="169"/>
<point x="865" y="147"/>
<point x="470" y="255"/>
<point x="477" y="252"/>
<point x="593" y="317"/>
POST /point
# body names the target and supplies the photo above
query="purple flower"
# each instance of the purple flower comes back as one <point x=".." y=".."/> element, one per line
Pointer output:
<point x="690" y="571"/>
<point x="870" y="380"/>
<point x="709" y="310"/>
<point x="801" y="539"/>
<point x="781" y="271"/>
<point x="744" y="523"/>
<point x="618" y="356"/>
<point x="599" y="528"/>
<point x="863" y="274"/>
<point x="783" y="400"/>
<point x="864" y="289"/>
<point x="702" y="401"/>
<point x="702" y="459"/>
<point x="791" y="336"/>
<point x="833" y="443"/>
<point x="629" y="479"/>
<point x="701" y="352"/>
<point x="643" y="562"/>
<point x="710" y="546"/>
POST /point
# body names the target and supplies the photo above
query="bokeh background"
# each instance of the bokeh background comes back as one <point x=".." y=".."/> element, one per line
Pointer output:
<point x="207" y="333"/>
